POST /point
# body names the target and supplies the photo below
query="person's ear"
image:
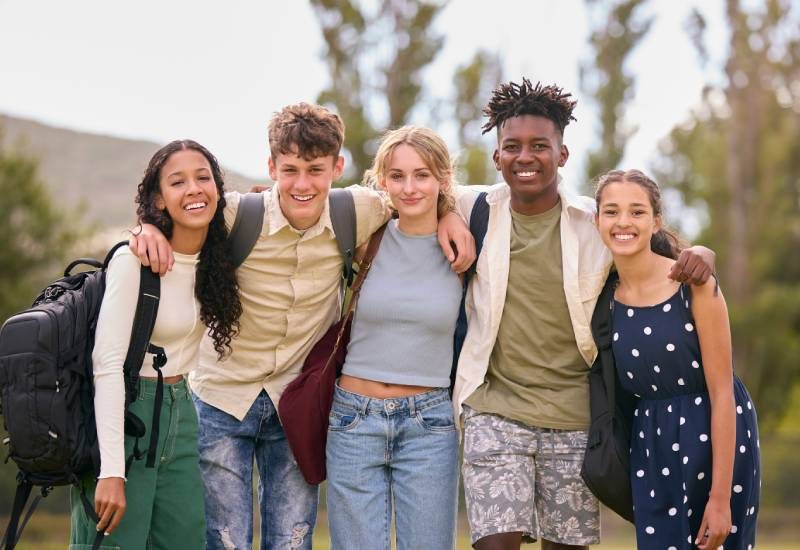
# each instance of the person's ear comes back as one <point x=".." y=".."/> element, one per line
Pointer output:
<point x="338" y="167"/>
<point x="273" y="171"/>
<point x="496" y="159"/>
<point x="160" y="203"/>
<point x="563" y="155"/>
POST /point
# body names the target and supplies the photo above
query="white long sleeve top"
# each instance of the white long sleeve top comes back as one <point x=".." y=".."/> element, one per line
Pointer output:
<point x="177" y="329"/>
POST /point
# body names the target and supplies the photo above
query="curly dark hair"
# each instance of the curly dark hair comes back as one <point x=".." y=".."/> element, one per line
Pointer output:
<point x="511" y="100"/>
<point x="216" y="287"/>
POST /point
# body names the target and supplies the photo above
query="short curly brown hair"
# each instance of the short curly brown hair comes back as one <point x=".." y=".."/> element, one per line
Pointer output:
<point x="511" y="100"/>
<point x="310" y="131"/>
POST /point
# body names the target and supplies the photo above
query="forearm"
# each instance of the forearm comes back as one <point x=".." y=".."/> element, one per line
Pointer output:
<point x="723" y="442"/>
<point x="109" y="406"/>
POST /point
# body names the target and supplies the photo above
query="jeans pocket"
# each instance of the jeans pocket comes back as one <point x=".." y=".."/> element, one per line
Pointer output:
<point x="342" y="420"/>
<point x="438" y="418"/>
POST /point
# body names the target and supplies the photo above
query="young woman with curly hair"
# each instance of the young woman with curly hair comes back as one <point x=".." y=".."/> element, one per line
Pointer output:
<point x="182" y="193"/>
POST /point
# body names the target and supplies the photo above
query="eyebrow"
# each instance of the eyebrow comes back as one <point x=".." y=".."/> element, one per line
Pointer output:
<point x="632" y="204"/>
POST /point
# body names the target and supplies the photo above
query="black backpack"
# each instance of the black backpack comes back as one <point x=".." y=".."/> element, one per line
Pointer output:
<point x="47" y="389"/>
<point x="606" y="464"/>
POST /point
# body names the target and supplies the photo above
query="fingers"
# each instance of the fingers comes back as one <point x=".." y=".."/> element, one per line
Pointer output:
<point x="109" y="503"/>
<point x="711" y="536"/>
<point x="702" y="536"/>
<point x="690" y="267"/>
<point x="447" y="247"/>
<point x="466" y="253"/>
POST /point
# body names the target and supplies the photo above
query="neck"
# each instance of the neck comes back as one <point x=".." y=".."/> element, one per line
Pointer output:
<point x="537" y="205"/>
<point x="188" y="242"/>
<point x="418" y="225"/>
<point x="641" y="270"/>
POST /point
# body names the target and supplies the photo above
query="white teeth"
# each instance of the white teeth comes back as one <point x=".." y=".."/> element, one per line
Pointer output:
<point x="527" y="174"/>
<point x="302" y="198"/>
<point x="194" y="206"/>
<point x="626" y="237"/>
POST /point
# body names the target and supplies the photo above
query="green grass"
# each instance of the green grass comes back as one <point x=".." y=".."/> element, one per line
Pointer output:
<point x="51" y="531"/>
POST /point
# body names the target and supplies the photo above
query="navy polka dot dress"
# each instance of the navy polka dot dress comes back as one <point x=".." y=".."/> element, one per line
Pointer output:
<point x="657" y="354"/>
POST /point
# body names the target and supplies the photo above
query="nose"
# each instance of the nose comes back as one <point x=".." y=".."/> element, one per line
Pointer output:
<point x="408" y="184"/>
<point x="525" y="154"/>
<point x="194" y="186"/>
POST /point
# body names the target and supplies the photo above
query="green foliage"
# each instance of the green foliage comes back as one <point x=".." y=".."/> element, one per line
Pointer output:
<point x="376" y="54"/>
<point x="375" y="59"/>
<point x="605" y="79"/>
<point x="34" y="234"/>
<point x="473" y="85"/>
<point x="735" y="161"/>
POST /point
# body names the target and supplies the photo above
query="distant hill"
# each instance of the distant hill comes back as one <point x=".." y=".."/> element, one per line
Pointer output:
<point x="100" y="172"/>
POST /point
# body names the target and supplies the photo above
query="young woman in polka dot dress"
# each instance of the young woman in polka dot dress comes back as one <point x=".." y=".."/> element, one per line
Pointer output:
<point x="695" y="468"/>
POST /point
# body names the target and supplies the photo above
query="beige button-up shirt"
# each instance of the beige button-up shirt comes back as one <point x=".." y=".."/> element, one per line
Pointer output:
<point x="585" y="260"/>
<point x="290" y="291"/>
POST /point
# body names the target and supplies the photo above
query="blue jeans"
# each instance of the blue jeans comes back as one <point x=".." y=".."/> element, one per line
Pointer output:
<point x="288" y="505"/>
<point x="386" y="454"/>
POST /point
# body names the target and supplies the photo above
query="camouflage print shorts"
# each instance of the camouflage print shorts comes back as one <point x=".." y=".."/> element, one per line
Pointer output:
<point x="522" y="478"/>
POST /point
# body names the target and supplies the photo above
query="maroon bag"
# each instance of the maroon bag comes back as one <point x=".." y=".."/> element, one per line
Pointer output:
<point x="306" y="402"/>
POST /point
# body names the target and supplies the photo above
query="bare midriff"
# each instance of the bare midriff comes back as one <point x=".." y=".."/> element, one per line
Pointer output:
<point x="379" y="390"/>
<point x="167" y="379"/>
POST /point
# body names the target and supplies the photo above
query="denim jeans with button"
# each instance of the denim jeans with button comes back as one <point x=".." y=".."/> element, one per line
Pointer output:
<point x="392" y="455"/>
<point x="288" y="505"/>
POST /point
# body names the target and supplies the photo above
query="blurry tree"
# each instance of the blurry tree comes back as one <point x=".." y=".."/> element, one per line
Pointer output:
<point x="605" y="79"/>
<point x="736" y="161"/>
<point x="34" y="236"/>
<point x="375" y="56"/>
<point x="474" y="83"/>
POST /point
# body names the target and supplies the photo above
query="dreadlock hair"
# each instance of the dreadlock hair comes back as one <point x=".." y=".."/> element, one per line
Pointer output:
<point x="664" y="242"/>
<point x="216" y="287"/>
<point x="512" y="100"/>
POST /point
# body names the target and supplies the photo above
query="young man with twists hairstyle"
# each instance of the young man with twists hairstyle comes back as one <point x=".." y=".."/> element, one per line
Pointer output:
<point x="289" y="289"/>
<point x="522" y="381"/>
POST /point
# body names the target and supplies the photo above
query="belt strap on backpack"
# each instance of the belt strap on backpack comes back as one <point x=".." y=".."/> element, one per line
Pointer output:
<point x="159" y="360"/>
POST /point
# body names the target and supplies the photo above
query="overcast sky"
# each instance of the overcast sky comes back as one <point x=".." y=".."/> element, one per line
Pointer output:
<point x="160" y="70"/>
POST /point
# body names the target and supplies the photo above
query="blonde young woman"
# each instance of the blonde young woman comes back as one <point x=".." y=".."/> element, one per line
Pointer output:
<point x="392" y="444"/>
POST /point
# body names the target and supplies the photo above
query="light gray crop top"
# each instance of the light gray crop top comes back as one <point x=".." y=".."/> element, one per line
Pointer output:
<point x="403" y="328"/>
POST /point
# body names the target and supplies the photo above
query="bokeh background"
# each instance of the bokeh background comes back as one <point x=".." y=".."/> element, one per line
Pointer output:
<point x="703" y="95"/>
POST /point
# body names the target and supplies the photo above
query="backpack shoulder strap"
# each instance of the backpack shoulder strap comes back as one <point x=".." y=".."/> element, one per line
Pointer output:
<point x="478" y="224"/>
<point x="143" y="322"/>
<point x="343" y="220"/>
<point x="247" y="226"/>
<point x="601" y="331"/>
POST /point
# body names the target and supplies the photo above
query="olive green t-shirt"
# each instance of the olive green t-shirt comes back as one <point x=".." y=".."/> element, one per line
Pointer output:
<point x="536" y="374"/>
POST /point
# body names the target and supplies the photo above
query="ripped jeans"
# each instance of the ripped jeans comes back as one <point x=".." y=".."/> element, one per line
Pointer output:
<point x="288" y="505"/>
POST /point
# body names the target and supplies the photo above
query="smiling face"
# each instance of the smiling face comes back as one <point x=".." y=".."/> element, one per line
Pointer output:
<point x="529" y="153"/>
<point x="625" y="218"/>
<point x="303" y="185"/>
<point x="413" y="189"/>
<point x="188" y="192"/>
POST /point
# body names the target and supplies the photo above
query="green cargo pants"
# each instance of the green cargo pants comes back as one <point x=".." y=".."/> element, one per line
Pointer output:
<point x="164" y="504"/>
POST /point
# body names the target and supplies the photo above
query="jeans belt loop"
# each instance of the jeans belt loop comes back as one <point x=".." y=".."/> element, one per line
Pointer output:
<point x="412" y="405"/>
